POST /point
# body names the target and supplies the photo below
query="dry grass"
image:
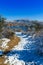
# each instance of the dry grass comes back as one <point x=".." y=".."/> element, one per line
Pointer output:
<point x="14" y="41"/>
<point x="2" y="60"/>
<point x="1" y="44"/>
<point x="0" y="41"/>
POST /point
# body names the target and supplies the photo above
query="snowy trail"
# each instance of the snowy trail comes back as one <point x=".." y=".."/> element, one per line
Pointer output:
<point x="14" y="59"/>
<point x="25" y="50"/>
<point x="23" y="41"/>
<point x="23" y="53"/>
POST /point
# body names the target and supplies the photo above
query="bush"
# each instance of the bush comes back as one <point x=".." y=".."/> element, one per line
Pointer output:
<point x="8" y="33"/>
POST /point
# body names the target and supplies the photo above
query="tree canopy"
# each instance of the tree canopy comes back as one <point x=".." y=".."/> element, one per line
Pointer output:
<point x="2" y="21"/>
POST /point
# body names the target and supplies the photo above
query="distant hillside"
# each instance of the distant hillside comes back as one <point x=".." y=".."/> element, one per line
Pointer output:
<point x="25" y="25"/>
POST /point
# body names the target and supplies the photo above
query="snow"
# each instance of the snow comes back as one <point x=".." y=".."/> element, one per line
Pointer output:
<point x="21" y="44"/>
<point x="5" y="61"/>
<point x="23" y="41"/>
<point x="15" y="61"/>
<point x="4" y="43"/>
<point x="18" y="32"/>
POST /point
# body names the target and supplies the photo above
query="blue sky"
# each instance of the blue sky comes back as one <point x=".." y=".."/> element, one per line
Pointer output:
<point x="22" y="9"/>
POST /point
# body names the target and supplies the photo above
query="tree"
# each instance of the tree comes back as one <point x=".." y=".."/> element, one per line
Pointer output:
<point x="37" y="25"/>
<point x="8" y="33"/>
<point x="2" y="21"/>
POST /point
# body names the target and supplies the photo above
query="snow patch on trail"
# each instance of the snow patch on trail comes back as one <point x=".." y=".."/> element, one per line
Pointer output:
<point x="4" y="43"/>
<point x="23" y="41"/>
<point x="13" y="60"/>
<point x="20" y="44"/>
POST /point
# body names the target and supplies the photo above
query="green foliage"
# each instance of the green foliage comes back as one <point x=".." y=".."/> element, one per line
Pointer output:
<point x="2" y="21"/>
<point x="37" y="26"/>
<point x="8" y="33"/>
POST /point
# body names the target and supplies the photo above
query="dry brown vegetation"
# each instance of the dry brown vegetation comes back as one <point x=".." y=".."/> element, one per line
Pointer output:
<point x="14" y="41"/>
<point x="2" y="60"/>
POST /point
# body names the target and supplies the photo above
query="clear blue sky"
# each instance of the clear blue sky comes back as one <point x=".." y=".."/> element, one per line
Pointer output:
<point x="27" y="9"/>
